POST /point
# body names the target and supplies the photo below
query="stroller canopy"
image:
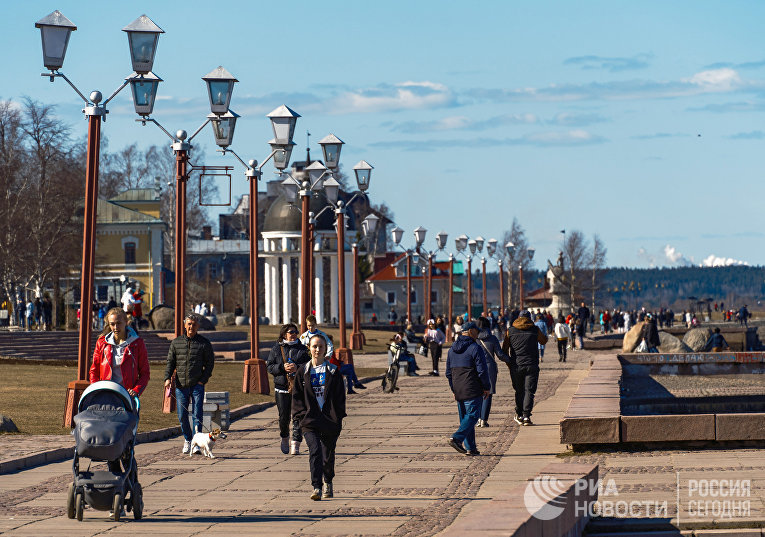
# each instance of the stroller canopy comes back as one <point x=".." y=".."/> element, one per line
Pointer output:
<point x="103" y="391"/>
<point x="106" y="423"/>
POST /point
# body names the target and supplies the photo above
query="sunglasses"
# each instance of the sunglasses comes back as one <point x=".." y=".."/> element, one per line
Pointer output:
<point x="292" y="331"/>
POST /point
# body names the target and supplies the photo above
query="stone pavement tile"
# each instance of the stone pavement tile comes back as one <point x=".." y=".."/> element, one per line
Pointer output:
<point x="416" y="480"/>
<point x="198" y="480"/>
<point x="357" y="525"/>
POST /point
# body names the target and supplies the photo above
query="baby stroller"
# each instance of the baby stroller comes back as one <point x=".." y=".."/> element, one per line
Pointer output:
<point x="397" y="350"/>
<point x="105" y="428"/>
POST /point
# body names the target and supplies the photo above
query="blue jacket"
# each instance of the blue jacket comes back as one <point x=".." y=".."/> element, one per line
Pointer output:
<point x="466" y="369"/>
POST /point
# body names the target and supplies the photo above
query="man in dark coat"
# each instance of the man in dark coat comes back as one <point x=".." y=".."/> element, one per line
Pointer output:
<point x="522" y="343"/>
<point x="583" y="313"/>
<point x="651" y="333"/>
<point x="190" y="360"/>
<point x="469" y="380"/>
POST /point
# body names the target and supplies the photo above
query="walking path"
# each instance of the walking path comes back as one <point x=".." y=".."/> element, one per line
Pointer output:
<point x="395" y="473"/>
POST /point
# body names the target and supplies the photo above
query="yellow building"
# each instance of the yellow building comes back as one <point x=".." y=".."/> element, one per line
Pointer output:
<point x="129" y="243"/>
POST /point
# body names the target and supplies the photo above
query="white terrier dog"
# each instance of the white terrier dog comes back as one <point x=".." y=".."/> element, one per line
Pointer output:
<point x="205" y="442"/>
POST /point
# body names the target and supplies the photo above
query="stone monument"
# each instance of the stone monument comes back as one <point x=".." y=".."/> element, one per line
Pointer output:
<point x="559" y="289"/>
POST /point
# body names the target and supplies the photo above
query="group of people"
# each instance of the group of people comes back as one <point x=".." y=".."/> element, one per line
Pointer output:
<point x="30" y="314"/>
<point x="471" y="369"/>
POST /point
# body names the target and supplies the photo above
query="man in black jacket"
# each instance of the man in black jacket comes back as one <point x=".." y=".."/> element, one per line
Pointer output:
<point x="469" y="380"/>
<point x="191" y="360"/>
<point x="583" y="314"/>
<point x="521" y="343"/>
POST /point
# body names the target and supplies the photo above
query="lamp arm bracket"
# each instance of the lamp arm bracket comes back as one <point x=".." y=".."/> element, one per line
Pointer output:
<point x="55" y="74"/>
<point x="355" y="195"/>
<point x="324" y="209"/>
<point x="202" y="126"/>
<point x="113" y="95"/>
<point x="269" y="157"/>
<point x="229" y="150"/>
<point x="144" y="120"/>
<point x="327" y="172"/>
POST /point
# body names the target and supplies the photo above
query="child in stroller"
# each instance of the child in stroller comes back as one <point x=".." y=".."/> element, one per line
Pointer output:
<point x="105" y="428"/>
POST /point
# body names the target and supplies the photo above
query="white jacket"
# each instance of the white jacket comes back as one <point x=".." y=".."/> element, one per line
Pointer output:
<point x="562" y="331"/>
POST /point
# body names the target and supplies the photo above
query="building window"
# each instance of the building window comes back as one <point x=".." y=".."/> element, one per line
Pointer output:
<point x="102" y="293"/>
<point x="130" y="253"/>
<point x="414" y="296"/>
<point x="212" y="270"/>
<point x="368" y="305"/>
<point x="391" y="298"/>
<point x="434" y="297"/>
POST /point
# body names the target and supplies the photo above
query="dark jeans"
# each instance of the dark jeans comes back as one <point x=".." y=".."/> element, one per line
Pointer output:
<point x="525" y="385"/>
<point x="284" y="406"/>
<point x="182" y="397"/>
<point x="469" y="412"/>
<point x="435" y="354"/>
<point x="349" y="372"/>
<point x="321" y="455"/>
<point x="486" y="408"/>
<point x="562" y="344"/>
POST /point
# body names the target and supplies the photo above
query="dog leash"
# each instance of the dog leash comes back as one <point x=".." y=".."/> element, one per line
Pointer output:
<point x="172" y="395"/>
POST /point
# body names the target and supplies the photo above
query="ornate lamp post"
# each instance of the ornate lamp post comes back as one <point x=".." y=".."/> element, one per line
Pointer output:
<point x="283" y="121"/>
<point x="369" y="227"/>
<point x="461" y="243"/>
<point x="55" y="31"/>
<point x="530" y="253"/>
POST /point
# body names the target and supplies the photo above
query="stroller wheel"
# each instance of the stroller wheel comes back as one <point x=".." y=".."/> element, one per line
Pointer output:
<point x="117" y="507"/>
<point x="79" y="505"/>
<point x="70" y="505"/>
<point x="137" y="498"/>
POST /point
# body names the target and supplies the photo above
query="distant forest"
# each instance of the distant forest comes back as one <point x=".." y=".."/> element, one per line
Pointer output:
<point x="677" y="288"/>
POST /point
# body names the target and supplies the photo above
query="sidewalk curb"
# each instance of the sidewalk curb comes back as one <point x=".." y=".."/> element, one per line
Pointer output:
<point x="59" y="454"/>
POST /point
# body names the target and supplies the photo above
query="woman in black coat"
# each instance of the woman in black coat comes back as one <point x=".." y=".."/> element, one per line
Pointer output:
<point x="318" y="404"/>
<point x="283" y="361"/>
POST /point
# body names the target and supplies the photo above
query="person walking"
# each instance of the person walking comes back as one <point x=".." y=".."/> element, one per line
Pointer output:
<point x="30" y="314"/>
<point x="562" y="334"/>
<point x="651" y="334"/>
<point x="283" y="362"/>
<point x="522" y="341"/>
<point x="434" y="339"/>
<point x="318" y="405"/>
<point x="493" y="348"/>
<point x="190" y="360"/>
<point x="542" y="325"/>
<point x="469" y="381"/>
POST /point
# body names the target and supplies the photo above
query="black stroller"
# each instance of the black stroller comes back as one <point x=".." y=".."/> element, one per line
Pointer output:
<point x="391" y="375"/>
<point x="105" y="429"/>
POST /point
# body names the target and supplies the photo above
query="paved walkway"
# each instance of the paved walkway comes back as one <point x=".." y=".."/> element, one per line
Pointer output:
<point x="395" y="473"/>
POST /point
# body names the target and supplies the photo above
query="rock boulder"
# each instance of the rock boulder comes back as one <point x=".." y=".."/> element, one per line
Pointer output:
<point x="242" y="320"/>
<point x="162" y="317"/>
<point x="226" y="319"/>
<point x="7" y="425"/>
<point x="632" y="338"/>
<point x="697" y="338"/>
<point x="670" y="343"/>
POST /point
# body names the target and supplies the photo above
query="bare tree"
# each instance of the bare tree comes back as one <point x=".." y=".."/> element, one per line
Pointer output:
<point x="597" y="262"/>
<point x="52" y="197"/>
<point x="575" y="253"/>
<point x="519" y="257"/>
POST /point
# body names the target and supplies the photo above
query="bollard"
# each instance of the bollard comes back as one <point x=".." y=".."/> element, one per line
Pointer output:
<point x="255" y="378"/>
<point x="168" y="398"/>
<point x="73" y="393"/>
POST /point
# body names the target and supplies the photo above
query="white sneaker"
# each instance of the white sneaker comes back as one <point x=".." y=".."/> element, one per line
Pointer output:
<point x="186" y="447"/>
<point x="295" y="448"/>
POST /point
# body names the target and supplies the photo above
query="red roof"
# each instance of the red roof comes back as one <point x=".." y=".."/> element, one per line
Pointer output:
<point x="385" y="271"/>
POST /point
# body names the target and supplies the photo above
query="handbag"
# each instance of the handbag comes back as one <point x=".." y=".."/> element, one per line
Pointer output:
<point x="422" y="350"/>
<point x="643" y="347"/>
<point x="290" y="378"/>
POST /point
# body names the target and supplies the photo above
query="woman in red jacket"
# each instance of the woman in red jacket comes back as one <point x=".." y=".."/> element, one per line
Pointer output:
<point x="120" y="355"/>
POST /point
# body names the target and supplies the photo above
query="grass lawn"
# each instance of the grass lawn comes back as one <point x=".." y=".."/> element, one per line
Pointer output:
<point x="32" y="395"/>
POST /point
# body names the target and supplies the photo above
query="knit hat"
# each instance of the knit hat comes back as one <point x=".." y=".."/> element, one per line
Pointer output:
<point x="468" y="326"/>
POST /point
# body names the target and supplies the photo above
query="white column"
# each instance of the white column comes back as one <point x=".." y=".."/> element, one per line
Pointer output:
<point x="286" y="291"/>
<point x="349" y="280"/>
<point x="267" y="288"/>
<point x="318" y="284"/>
<point x="275" y="291"/>
<point x="333" y="297"/>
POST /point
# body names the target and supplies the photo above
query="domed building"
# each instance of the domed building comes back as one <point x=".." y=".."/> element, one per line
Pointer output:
<point x="281" y="233"/>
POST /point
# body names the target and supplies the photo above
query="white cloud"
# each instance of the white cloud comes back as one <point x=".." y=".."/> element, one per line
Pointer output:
<point x="724" y="79"/>
<point x="715" y="261"/>
<point x="407" y="95"/>
<point x="675" y="257"/>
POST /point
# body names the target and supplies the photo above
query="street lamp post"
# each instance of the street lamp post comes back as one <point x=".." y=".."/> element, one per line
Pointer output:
<point x="397" y="233"/>
<point x="451" y="297"/>
<point x="369" y="227"/>
<point x="461" y="243"/>
<point x="491" y="250"/>
<point x="283" y="121"/>
<point x="530" y="253"/>
<point x="55" y="31"/>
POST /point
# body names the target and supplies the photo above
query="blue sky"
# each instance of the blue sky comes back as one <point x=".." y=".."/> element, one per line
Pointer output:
<point x="639" y="121"/>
